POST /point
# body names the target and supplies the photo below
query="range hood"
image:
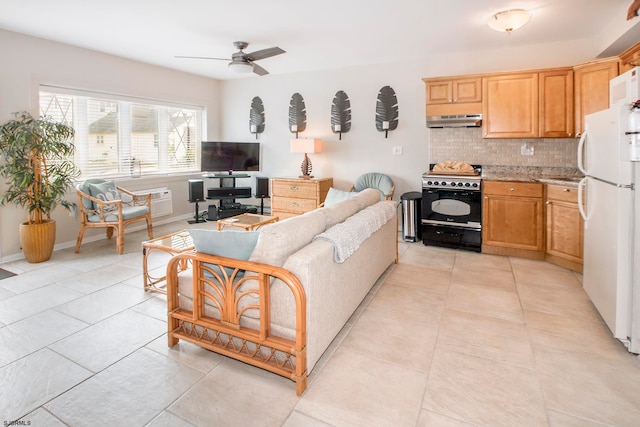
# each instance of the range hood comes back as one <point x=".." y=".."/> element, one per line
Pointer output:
<point x="455" y="121"/>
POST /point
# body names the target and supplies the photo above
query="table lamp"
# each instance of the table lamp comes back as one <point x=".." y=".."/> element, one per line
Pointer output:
<point x="306" y="146"/>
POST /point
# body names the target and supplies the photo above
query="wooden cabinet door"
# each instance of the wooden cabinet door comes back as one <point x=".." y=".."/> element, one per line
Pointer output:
<point x="556" y="104"/>
<point x="564" y="230"/>
<point x="439" y="92"/>
<point x="513" y="222"/>
<point x="592" y="89"/>
<point x="510" y="106"/>
<point x="467" y="90"/>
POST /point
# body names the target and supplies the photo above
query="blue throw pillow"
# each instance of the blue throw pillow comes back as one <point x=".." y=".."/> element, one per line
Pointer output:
<point x="334" y="196"/>
<point x="230" y="243"/>
<point x="105" y="191"/>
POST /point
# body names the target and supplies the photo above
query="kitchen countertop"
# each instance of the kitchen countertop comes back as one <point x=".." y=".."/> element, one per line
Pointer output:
<point x="547" y="175"/>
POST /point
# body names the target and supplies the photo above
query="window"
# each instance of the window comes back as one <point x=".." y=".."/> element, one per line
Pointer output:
<point x="119" y="136"/>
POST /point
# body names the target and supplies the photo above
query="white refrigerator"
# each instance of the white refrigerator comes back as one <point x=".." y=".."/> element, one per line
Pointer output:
<point x="608" y="205"/>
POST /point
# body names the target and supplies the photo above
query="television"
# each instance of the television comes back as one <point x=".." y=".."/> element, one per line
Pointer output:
<point x="219" y="156"/>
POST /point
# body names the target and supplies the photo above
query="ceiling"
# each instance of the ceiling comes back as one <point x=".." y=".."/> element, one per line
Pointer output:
<point x="325" y="34"/>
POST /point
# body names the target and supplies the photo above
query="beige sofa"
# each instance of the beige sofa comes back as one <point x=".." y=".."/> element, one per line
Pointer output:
<point x="281" y="309"/>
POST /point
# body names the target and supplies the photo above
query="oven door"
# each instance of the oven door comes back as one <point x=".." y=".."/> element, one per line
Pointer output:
<point x="452" y="207"/>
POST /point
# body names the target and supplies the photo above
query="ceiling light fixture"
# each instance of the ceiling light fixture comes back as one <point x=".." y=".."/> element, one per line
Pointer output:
<point x="241" y="67"/>
<point x="509" y="20"/>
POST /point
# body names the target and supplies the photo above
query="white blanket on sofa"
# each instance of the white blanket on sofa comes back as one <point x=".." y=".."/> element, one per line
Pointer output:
<point x="347" y="236"/>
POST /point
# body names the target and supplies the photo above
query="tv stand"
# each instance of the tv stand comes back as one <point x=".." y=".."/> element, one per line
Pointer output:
<point x="226" y="193"/>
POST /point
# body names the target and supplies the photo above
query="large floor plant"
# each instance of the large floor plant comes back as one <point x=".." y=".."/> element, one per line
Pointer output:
<point x="37" y="161"/>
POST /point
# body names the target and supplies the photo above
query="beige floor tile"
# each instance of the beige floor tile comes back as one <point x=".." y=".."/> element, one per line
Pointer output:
<point x="35" y="379"/>
<point x="487" y="337"/>
<point x="187" y="353"/>
<point x="417" y="304"/>
<point x="431" y="419"/>
<point x="534" y="263"/>
<point x="155" y="306"/>
<point x="563" y="301"/>
<point x="356" y="389"/>
<point x="591" y="387"/>
<point x="467" y="259"/>
<point x="529" y="275"/>
<point x="483" y="276"/>
<point x="296" y="419"/>
<point x="108" y="341"/>
<point x="133" y="391"/>
<point x="558" y="419"/>
<point x="485" y="301"/>
<point x="35" y="279"/>
<point x="36" y="301"/>
<point x="395" y="337"/>
<point x="483" y="392"/>
<point x="34" y="333"/>
<point x="99" y="278"/>
<point x="42" y="417"/>
<point x="429" y="279"/>
<point x="238" y="395"/>
<point x="167" y="419"/>
<point x="429" y="256"/>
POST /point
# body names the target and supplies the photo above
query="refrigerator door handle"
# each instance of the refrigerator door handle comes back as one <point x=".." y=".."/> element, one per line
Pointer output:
<point x="582" y="187"/>
<point x="581" y="144"/>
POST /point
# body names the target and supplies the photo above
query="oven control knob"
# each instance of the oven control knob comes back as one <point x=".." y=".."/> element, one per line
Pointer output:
<point x="429" y="182"/>
<point x="435" y="183"/>
<point x="467" y="184"/>
<point x="475" y="184"/>
<point x="460" y="184"/>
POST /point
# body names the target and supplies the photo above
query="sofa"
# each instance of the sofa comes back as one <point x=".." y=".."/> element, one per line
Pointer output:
<point x="282" y="306"/>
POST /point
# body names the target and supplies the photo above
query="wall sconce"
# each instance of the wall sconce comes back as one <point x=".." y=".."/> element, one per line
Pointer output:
<point x="306" y="146"/>
<point x="509" y="20"/>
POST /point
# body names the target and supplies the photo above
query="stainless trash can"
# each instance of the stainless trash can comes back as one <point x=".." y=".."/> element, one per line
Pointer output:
<point x="411" y="217"/>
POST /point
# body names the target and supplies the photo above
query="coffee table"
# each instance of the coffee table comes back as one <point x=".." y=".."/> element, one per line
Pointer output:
<point x="246" y="221"/>
<point x="173" y="244"/>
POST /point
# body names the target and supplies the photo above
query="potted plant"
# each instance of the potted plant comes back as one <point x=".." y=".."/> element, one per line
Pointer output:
<point x="37" y="161"/>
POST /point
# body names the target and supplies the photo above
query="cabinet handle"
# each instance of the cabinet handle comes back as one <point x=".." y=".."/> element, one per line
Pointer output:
<point x="293" y="187"/>
<point x="512" y="189"/>
<point x="486" y="197"/>
<point x="547" y="202"/>
<point x="294" y="205"/>
<point x="566" y="190"/>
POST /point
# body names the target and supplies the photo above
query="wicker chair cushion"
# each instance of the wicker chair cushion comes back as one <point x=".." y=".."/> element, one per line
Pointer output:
<point x="376" y="180"/>
<point x="128" y="212"/>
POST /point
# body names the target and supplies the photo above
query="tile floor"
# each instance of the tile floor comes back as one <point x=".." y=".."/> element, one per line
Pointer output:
<point x="445" y="338"/>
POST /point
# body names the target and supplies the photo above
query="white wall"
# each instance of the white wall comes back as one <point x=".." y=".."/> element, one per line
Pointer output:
<point x="364" y="149"/>
<point x="28" y="62"/>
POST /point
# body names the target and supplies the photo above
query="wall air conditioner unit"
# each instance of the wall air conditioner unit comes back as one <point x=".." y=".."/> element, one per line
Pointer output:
<point x="161" y="203"/>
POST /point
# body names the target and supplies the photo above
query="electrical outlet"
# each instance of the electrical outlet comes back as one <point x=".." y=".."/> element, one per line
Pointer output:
<point x="527" y="149"/>
<point x="397" y="149"/>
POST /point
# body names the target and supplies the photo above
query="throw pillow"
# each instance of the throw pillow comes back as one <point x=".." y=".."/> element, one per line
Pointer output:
<point x="231" y="244"/>
<point x="105" y="191"/>
<point x="334" y="196"/>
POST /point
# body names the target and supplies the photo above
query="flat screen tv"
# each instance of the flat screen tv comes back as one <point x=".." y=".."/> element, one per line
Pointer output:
<point x="218" y="156"/>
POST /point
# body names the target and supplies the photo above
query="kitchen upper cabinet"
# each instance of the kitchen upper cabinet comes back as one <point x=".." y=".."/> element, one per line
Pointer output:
<point x="630" y="58"/>
<point x="448" y="91"/>
<point x="565" y="227"/>
<point x="591" y="88"/>
<point x="556" y="103"/>
<point x="513" y="218"/>
<point x="510" y="106"/>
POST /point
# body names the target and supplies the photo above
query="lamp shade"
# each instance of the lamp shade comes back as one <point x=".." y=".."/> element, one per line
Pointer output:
<point x="306" y="145"/>
<point x="241" y="67"/>
<point x="509" y="20"/>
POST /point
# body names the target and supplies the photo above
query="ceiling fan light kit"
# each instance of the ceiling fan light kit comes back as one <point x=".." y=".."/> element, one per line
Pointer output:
<point x="241" y="67"/>
<point x="509" y="20"/>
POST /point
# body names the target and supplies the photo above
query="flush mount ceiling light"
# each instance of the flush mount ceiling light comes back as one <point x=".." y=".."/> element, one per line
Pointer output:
<point x="509" y="20"/>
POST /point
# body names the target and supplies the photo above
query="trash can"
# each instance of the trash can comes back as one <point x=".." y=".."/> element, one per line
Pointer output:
<point x="411" y="224"/>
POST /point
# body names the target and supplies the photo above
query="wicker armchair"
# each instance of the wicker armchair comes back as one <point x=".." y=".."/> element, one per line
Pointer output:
<point x="376" y="180"/>
<point x="102" y="204"/>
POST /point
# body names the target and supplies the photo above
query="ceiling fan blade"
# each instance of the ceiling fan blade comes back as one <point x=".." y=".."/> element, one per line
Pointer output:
<point x="259" y="70"/>
<point x="264" y="53"/>
<point x="203" y="57"/>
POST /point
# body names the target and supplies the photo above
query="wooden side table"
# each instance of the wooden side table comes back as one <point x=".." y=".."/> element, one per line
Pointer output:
<point x="172" y="244"/>
<point x="295" y="196"/>
<point x="246" y="221"/>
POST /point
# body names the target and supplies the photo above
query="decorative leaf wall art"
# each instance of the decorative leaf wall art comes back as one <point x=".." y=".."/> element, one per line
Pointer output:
<point x="386" y="110"/>
<point x="340" y="113"/>
<point x="297" y="114"/>
<point x="256" y="116"/>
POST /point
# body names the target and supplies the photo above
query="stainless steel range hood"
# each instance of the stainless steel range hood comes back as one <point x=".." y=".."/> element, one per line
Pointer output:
<point x="455" y="121"/>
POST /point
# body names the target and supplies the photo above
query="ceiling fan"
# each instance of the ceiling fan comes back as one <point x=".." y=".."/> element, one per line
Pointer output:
<point x="242" y="62"/>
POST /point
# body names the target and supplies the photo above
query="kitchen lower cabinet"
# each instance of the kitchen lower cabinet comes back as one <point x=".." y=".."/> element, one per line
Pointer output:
<point x="564" y="236"/>
<point x="513" y="219"/>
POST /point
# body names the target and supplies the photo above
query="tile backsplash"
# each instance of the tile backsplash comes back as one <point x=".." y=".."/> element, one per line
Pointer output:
<point x="466" y="144"/>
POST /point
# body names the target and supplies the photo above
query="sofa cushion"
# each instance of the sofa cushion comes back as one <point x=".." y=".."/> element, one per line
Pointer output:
<point x="237" y="244"/>
<point x="335" y="196"/>
<point x="280" y="239"/>
<point x="367" y="197"/>
<point x="338" y="212"/>
<point x="105" y="191"/>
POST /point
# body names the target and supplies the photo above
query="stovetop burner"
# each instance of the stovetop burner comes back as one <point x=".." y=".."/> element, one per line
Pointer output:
<point x="452" y="180"/>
